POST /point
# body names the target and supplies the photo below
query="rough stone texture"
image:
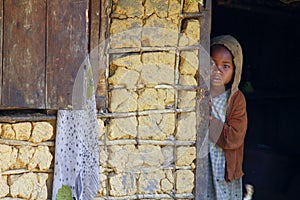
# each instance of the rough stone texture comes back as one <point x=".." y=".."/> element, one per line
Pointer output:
<point x="123" y="184"/>
<point x="174" y="10"/>
<point x="185" y="156"/>
<point x="123" y="101"/>
<point x="168" y="153"/>
<point x="124" y="77"/>
<point x="8" y="132"/>
<point x="128" y="61"/>
<point x="42" y="131"/>
<point x="189" y="62"/>
<point x="103" y="155"/>
<point x="102" y="186"/>
<point x="149" y="183"/>
<point x="187" y="80"/>
<point x="22" y="130"/>
<point x="128" y="158"/>
<point x="102" y="129"/>
<point x="184" y="181"/>
<point x="4" y="188"/>
<point x="8" y="156"/>
<point x="186" y="99"/>
<point x="190" y="33"/>
<point x="159" y="32"/>
<point x="41" y="159"/>
<point x="125" y="33"/>
<point x="25" y="154"/>
<point x="186" y="129"/>
<point x="127" y="9"/>
<point x="189" y="6"/>
<point x="122" y="128"/>
<point x="167" y="183"/>
<point x="156" y="126"/>
<point x="158" y="7"/>
<point x="152" y="99"/>
<point x="28" y="186"/>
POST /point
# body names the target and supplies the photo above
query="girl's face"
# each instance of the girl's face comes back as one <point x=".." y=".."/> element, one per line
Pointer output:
<point x="224" y="70"/>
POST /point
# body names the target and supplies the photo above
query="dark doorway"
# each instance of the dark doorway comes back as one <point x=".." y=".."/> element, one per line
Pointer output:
<point x="270" y="36"/>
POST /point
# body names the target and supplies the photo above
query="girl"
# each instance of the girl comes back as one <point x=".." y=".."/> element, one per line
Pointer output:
<point x="228" y="122"/>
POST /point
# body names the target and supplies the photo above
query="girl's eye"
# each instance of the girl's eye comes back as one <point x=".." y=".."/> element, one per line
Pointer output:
<point x="226" y="67"/>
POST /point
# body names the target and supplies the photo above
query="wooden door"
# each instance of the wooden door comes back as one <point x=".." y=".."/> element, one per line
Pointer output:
<point x="44" y="44"/>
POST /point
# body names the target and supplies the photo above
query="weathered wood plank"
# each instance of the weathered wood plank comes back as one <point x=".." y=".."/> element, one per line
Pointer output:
<point x="1" y="39"/>
<point x="66" y="49"/>
<point x="24" y="54"/>
<point x="98" y="31"/>
<point x="202" y="108"/>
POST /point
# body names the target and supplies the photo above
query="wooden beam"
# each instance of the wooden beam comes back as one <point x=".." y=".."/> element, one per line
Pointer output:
<point x="66" y="49"/>
<point x="24" y="54"/>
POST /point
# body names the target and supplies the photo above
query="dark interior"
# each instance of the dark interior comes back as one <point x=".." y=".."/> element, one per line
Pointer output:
<point x="269" y="32"/>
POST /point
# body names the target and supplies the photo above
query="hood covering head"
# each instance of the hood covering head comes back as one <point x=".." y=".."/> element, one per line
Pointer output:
<point x="236" y="50"/>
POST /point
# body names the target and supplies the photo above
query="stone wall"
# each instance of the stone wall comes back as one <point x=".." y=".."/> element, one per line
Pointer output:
<point x="26" y="157"/>
<point x="147" y="145"/>
<point x="148" y="131"/>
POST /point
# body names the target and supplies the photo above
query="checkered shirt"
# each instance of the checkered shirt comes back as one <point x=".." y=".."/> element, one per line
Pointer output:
<point x="218" y="188"/>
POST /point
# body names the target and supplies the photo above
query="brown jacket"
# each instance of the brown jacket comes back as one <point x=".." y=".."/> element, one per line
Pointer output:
<point x="233" y="132"/>
<point x="232" y="136"/>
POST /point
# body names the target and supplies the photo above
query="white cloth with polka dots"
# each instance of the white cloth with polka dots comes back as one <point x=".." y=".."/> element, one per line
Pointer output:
<point x="77" y="152"/>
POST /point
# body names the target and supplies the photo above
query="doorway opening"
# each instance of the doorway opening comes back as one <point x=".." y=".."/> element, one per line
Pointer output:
<point x="269" y="33"/>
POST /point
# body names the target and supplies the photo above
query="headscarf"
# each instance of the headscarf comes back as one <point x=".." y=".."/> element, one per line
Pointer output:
<point x="235" y="48"/>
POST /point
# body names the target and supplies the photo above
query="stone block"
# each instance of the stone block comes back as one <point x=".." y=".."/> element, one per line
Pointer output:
<point x="41" y="159"/>
<point x="187" y="80"/>
<point x="190" y="7"/>
<point x="189" y="62"/>
<point x="125" y="33"/>
<point x="190" y="33"/>
<point x="158" y="68"/>
<point x="151" y="156"/>
<point x="8" y="156"/>
<point x="118" y="157"/>
<point x="159" y="32"/>
<point x="25" y="154"/>
<point x="22" y="130"/>
<point x="167" y="183"/>
<point x="156" y="126"/>
<point x="102" y="129"/>
<point x="150" y="182"/>
<point x="4" y="188"/>
<point x="155" y="99"/>
<point x="186" y="99"/>
<point x="102" y="186"/>
<point x="127" y="61"/>
<point x="122" y="128"/>
<point x="42" y="131"/>
<point x="8" y="132"/>
<point x="186" y="129"/>
<point x="103" y="155"/>
<point x="158" y="7"/>
<point x="174" y="10"/>
<point x="184" y="181"/>
<point x="168" y="153"/>
<point x="124" y="77"/>
<point x="122" y="100"/>
<point x="185" y="156"/>
<point x="128" y="9"/>
<point x="123" y="184"/>
<point x="28" y="186"/>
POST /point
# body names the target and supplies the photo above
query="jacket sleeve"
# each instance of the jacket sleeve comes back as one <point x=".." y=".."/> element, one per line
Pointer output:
<point x="235" y="126"/>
